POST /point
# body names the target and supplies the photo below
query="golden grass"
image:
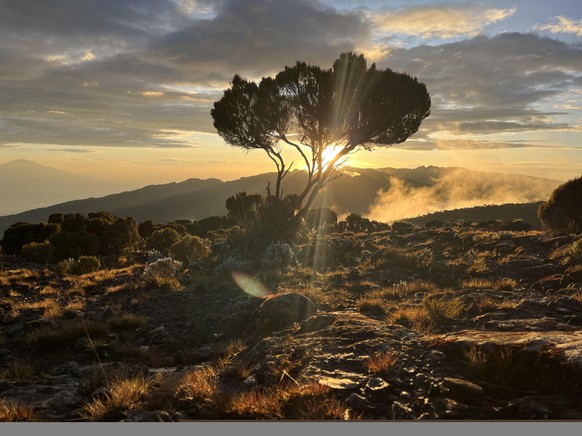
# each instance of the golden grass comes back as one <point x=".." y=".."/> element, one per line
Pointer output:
<point x="380" y="363"/>
<point x="440" y="308"/>
<point x="122" y="393"/>
<point x="50" y="306"/>
<point x="200" y="386"/>
<point x="292" y="402"/>
<point x="415" y="317"/>
<point x="14" y="411"/>
<point x="125" y="321"/>
<point x="372" y="305"/>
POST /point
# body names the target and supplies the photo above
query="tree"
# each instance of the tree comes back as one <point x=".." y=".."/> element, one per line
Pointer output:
<point x="562" y="213"/>
<point x="321" y="114"/>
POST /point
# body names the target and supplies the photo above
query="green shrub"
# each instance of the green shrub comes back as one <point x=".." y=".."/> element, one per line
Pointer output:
<point x="162" y="240"/>
<point x="20" y="234"/>
<point x="39" y="252"/>
<point x="562" y="213"/>
<point x="85" y="265"/>
<point x="190" y="248"/>
<point x="74" y="244"/>
<point x="73" y="222"/>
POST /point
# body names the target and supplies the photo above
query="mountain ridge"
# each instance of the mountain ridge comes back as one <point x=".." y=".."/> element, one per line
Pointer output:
<point x="359" y="190"/>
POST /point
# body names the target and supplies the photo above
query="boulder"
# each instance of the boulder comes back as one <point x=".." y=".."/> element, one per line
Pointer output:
<point x="281" y="311"/>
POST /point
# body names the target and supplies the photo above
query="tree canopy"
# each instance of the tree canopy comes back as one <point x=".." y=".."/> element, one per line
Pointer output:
<point x="323" y="114"/>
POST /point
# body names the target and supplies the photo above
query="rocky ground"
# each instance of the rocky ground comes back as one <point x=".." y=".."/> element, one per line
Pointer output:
<point x="445" y="321"/>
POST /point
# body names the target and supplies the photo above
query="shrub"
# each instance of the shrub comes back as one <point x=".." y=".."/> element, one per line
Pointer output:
<point x="243" y="209"/>
<point x="162" y="240"/>
<point x="74" y="244"/>
<point x="64" y="266"/>
<point x="162" y="273"/>
<point x="73" y="222"/>
<point x="227" y="266"/>
<point x="562" y="213"/>
<point x="277" y="255"/>
<point x="39" y="252"/>
<point x="317" y="218"/>
<point x="85" y="265"/>
<point x="20" y="234"/>
<point x="190" y="248"/>
<point x="145" y="228"/>
<point x="121" y="235"/>
<point x="356" y="223"/>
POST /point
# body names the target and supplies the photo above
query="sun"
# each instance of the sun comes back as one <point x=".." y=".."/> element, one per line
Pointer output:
<point x="329" y="154"/>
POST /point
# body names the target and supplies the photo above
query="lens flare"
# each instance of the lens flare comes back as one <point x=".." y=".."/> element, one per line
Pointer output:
<point x="250" y="285"/>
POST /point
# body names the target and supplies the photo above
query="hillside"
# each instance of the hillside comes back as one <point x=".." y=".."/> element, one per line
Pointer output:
<point x="506" y="212"/>
<point x="386" y="194"/>
<point x="447" y="322"/>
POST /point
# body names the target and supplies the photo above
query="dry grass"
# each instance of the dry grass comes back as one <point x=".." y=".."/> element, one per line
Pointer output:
<point x="50" y="307"/>
<point x="52" y="338"/>
<point x="291" y="402"/>
<point x="371" y="305"/>
<point x="415" y="317"/>
<point x="122" y="393"/>
<point x="400" y="257"/>
<point x="200" y="386"/>
<point x="14" y="411"/>
<point x="19" y="370"/>
<point x="404" y="289"/>
<point x="440" y="308"/>
<point x="485" y="303"/>
<point x="496" y="363"/>
<point x="502" y="284"/>
<point x="380" y="363"/>
<point x="125" y="321"/>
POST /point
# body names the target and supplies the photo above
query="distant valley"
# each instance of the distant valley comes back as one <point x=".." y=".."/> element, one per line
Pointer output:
<point x="383" y="194"/>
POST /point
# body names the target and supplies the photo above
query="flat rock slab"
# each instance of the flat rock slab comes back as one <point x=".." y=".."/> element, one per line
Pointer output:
<point x="569" y="343"/>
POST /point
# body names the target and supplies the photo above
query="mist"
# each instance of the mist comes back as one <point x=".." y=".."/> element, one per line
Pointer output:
<point x="456" y="189"/>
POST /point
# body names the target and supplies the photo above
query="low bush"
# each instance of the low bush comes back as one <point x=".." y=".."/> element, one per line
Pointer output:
<point x="190" y="248"/>
<point x="38" y="252"/>
<point x="85" y="265"/>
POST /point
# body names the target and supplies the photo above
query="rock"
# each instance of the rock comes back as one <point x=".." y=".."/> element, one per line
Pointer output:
<point x="342" y="381"/>
<point x="568" y="344"/>
<point x="462" y="390"/>
<point x="55" y="396"/>
<point x="282" y="311"/>
<point x="356" y="401"/>
<point x="354" y="275"/>
<point x="377" y="384"/>
<point x="528" y="324"/>
<point x="317" y="322"/>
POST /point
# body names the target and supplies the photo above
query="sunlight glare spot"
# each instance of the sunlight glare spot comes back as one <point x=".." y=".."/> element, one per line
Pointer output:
<point x="250" y="285"/>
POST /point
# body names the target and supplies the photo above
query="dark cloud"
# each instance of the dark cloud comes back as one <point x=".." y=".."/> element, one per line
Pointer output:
<point x="486" y="85"/>
<point x="89" y="19"/>
<point x="131" y="73"/>
<point x="259" y="36"/>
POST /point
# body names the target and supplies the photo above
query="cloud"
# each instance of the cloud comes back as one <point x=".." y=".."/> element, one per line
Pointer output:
<point x="497" y="84"/>
<point x="127" y="72"/>
<point x="456" y="188"/>
<point x="437" y="21"/>
<point x="258" y="37"/>
<point x="562" y="24"/>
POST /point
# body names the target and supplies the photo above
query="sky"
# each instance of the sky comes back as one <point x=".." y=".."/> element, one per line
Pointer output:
<point x="122" y="90"/>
